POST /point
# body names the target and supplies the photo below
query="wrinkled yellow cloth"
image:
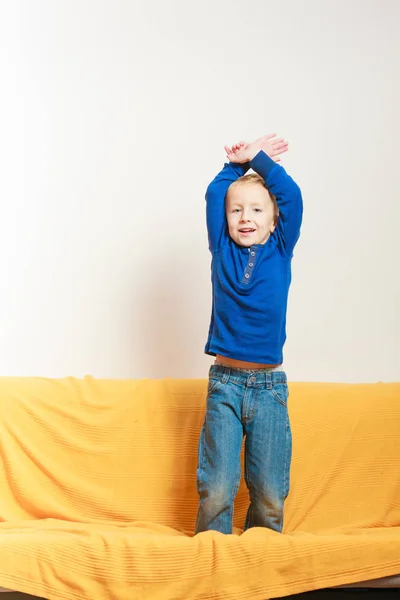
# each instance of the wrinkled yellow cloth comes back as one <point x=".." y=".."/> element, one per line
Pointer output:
<point x="98" y="493"/>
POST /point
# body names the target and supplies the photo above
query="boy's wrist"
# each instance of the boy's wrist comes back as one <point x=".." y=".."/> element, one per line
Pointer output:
<point x="240" y="167"/>
<point x="262" y="164"/>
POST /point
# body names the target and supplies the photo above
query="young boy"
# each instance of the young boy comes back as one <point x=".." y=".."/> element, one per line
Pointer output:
<point x="253" y="225"/>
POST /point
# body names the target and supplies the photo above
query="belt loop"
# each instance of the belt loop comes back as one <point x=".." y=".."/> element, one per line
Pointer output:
<point x="268" y="381"/>
<point x="225" y="376"/>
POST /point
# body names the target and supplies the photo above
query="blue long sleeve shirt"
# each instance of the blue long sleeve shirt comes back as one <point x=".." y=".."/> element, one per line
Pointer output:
<point x="250" y="286"/>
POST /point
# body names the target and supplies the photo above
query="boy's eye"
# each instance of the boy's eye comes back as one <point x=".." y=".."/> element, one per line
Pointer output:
<point x="258" y="209"/>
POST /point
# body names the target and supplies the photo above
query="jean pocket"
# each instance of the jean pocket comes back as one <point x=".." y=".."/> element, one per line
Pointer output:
<point x="280" y="392"/>
<point x="213" y="384"/>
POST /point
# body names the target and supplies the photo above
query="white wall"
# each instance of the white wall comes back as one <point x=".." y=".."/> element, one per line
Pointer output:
<point x="113" y="119"/>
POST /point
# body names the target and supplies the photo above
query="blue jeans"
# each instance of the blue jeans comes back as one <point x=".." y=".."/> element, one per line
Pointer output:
<point x="254" y="405"/>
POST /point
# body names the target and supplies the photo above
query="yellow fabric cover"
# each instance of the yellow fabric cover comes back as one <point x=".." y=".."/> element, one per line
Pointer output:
<point x="98" y="494"/>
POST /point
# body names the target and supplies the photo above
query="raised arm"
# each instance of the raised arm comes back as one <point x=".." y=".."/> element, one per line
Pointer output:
<point x="215" y="198"/>
<point x="262" y="156"/>
<point x="288" y="197"/>
<point x="239" y="156"/>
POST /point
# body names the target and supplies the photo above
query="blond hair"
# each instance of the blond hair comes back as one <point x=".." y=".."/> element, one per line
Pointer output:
<point x="255" y="179"/>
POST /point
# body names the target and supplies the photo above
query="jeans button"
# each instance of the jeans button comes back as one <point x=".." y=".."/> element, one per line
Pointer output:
<point x="252" y="379"/>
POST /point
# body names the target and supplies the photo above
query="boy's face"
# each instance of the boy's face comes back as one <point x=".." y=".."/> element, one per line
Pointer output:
<point x="250" y="214"/>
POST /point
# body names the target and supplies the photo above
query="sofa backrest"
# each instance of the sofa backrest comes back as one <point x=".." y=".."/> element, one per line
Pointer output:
<point x="126" y="450"/>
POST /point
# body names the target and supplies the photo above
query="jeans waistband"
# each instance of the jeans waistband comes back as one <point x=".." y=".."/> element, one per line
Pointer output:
<point x="257" y="370"/>
<point x="256" y="378"/>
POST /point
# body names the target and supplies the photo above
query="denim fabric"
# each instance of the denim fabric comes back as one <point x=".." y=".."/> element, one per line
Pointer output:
<point x="251" y="404"/>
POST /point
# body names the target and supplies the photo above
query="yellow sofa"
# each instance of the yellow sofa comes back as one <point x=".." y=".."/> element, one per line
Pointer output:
<point x="98" y="493"/>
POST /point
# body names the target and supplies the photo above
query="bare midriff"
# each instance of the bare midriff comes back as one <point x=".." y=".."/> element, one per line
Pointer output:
<point x="242" y="364"/>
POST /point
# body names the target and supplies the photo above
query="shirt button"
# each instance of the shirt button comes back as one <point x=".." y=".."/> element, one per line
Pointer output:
<point x="251" y="265"/>
<point x="247" y="275"/>
<point x="252" y="253"/>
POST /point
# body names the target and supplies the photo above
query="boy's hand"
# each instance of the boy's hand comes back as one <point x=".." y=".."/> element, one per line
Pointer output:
<point x="232" y="152"/>
<point x="244" y="152"/>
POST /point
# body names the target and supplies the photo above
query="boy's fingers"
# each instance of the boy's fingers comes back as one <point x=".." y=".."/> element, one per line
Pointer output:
<point x="280" y="145"/>
<point x="281" y="151"/>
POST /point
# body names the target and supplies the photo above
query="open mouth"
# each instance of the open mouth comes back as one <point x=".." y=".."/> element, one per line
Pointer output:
<point x="246" y="231"/>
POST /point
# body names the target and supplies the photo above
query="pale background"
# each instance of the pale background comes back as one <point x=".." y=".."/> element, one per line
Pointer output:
<point x="113" y="119"/>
